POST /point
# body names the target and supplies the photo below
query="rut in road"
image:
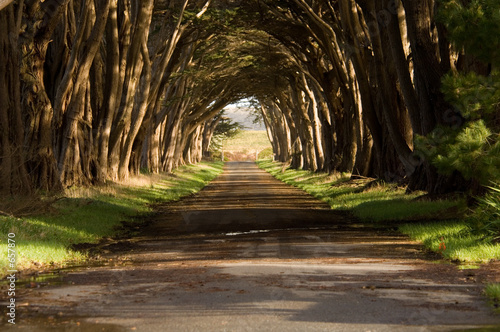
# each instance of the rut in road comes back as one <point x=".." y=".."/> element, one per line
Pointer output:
<point x="249" y="253"/>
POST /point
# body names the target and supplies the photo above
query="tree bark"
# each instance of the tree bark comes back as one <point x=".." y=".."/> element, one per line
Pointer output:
<point x="111" y="90"/>
<point x="133" y="68"/>
<point x="138" y="116"/>
<point x="40" y="20"/>
<point x="14" y="178"/>
<point x="69" y="161"/>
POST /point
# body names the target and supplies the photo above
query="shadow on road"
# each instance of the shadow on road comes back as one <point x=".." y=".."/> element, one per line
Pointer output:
<point x="251" y="253"/>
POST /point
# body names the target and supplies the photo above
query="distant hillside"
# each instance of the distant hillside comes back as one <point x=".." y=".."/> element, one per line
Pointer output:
<point x="245" y="145"/>
<point x="242" y="115"/>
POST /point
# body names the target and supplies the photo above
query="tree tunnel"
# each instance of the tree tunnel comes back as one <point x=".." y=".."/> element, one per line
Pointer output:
<point x="97" y="90"/>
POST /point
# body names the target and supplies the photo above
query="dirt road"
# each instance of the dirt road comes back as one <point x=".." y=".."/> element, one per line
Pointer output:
<point x="249" y="253"/>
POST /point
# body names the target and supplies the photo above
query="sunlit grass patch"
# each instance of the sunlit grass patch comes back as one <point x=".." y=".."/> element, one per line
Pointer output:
<point x="85" y="215"/>
<point x="45" y="253"/>
<point x="453" y="240"/>
<point x="365" y="198"/>
<point x="469" y="266"/>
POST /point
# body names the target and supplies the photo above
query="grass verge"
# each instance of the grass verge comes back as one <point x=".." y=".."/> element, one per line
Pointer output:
<point x="86" y="215"/>
<point x="440" y="225"/>
<point x="453" y="240"/>
<point x="492" y="291"/>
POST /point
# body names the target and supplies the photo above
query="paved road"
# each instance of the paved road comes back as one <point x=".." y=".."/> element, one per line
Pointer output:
<point x="249" y="253"/>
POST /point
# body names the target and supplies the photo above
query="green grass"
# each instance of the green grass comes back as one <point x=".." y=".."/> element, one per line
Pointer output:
<point x="373" y="202"/>
<point x="493" y="292"/>
<point x="367" y="200"/>
<point x="85" y="215"/>
<point x="460" y="244"/>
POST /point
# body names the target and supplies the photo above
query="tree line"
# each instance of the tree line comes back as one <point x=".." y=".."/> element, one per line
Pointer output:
<point x="396" y="89"/>
<point x="387" y="88"/>
<point x="95" y="90"/>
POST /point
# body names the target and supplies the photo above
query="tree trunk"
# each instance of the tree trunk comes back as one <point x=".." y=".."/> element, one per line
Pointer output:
<point x="111" y="90"/>
<point x="40" y="20"/>
<point x="138" y="116"/>
<point x="208" y="133"/>
<point x="118" y="144"/>
<point x="69" y="161"/>
<point x="5" y="3"/>
<point x="428" y="72"/>
<point x="14" y="178"/>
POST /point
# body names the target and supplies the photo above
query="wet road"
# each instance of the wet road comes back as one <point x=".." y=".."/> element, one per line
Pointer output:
<point x="249" y="253"/>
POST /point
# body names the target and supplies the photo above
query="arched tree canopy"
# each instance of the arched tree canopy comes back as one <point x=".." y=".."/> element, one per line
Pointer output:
<point x="96" y="90"/>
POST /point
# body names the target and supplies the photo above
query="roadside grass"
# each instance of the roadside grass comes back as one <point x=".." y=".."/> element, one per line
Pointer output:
<point x="367" y="199"/>
<point x="435" y="223"/>
<point x="86" y="215"/>
<point x="492" y="291"/>
<point x="453" y="240"/>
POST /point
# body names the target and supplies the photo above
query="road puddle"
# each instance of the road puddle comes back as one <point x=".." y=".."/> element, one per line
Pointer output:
<point x="295" y="229"/>
<point x="248" y="232"/>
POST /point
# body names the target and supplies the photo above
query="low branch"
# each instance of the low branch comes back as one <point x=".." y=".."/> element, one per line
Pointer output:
<point x="5" y="3"/>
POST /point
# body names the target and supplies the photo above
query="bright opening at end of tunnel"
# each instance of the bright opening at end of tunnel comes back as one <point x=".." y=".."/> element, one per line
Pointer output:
<point x="241" y="134"/>
<point x="244" y="113"/>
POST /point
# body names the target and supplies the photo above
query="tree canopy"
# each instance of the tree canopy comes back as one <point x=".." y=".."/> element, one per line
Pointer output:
<point x="397" y="89"/>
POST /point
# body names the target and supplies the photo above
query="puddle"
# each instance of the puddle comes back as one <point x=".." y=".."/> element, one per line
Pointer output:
<point x="249" y="232"/>
<point x="56" y="277"/>
<point x="257" y="231"/>
<point x="41" y="280"/>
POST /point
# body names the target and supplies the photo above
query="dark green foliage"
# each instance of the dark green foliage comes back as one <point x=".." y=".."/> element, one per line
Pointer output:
<point x="474" y="26"/>
<point x="473" y="146"/>
<point x="486" y="218"/>
<point x="473" y="150"/>
<point x="225" y="129"/>
<point x="470" y="144"/>
<point x="228" y="128"/>
<point x="475" y="96"/>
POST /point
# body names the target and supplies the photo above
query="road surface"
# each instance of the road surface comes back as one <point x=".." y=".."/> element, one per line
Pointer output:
<point x="249" y="253"/>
